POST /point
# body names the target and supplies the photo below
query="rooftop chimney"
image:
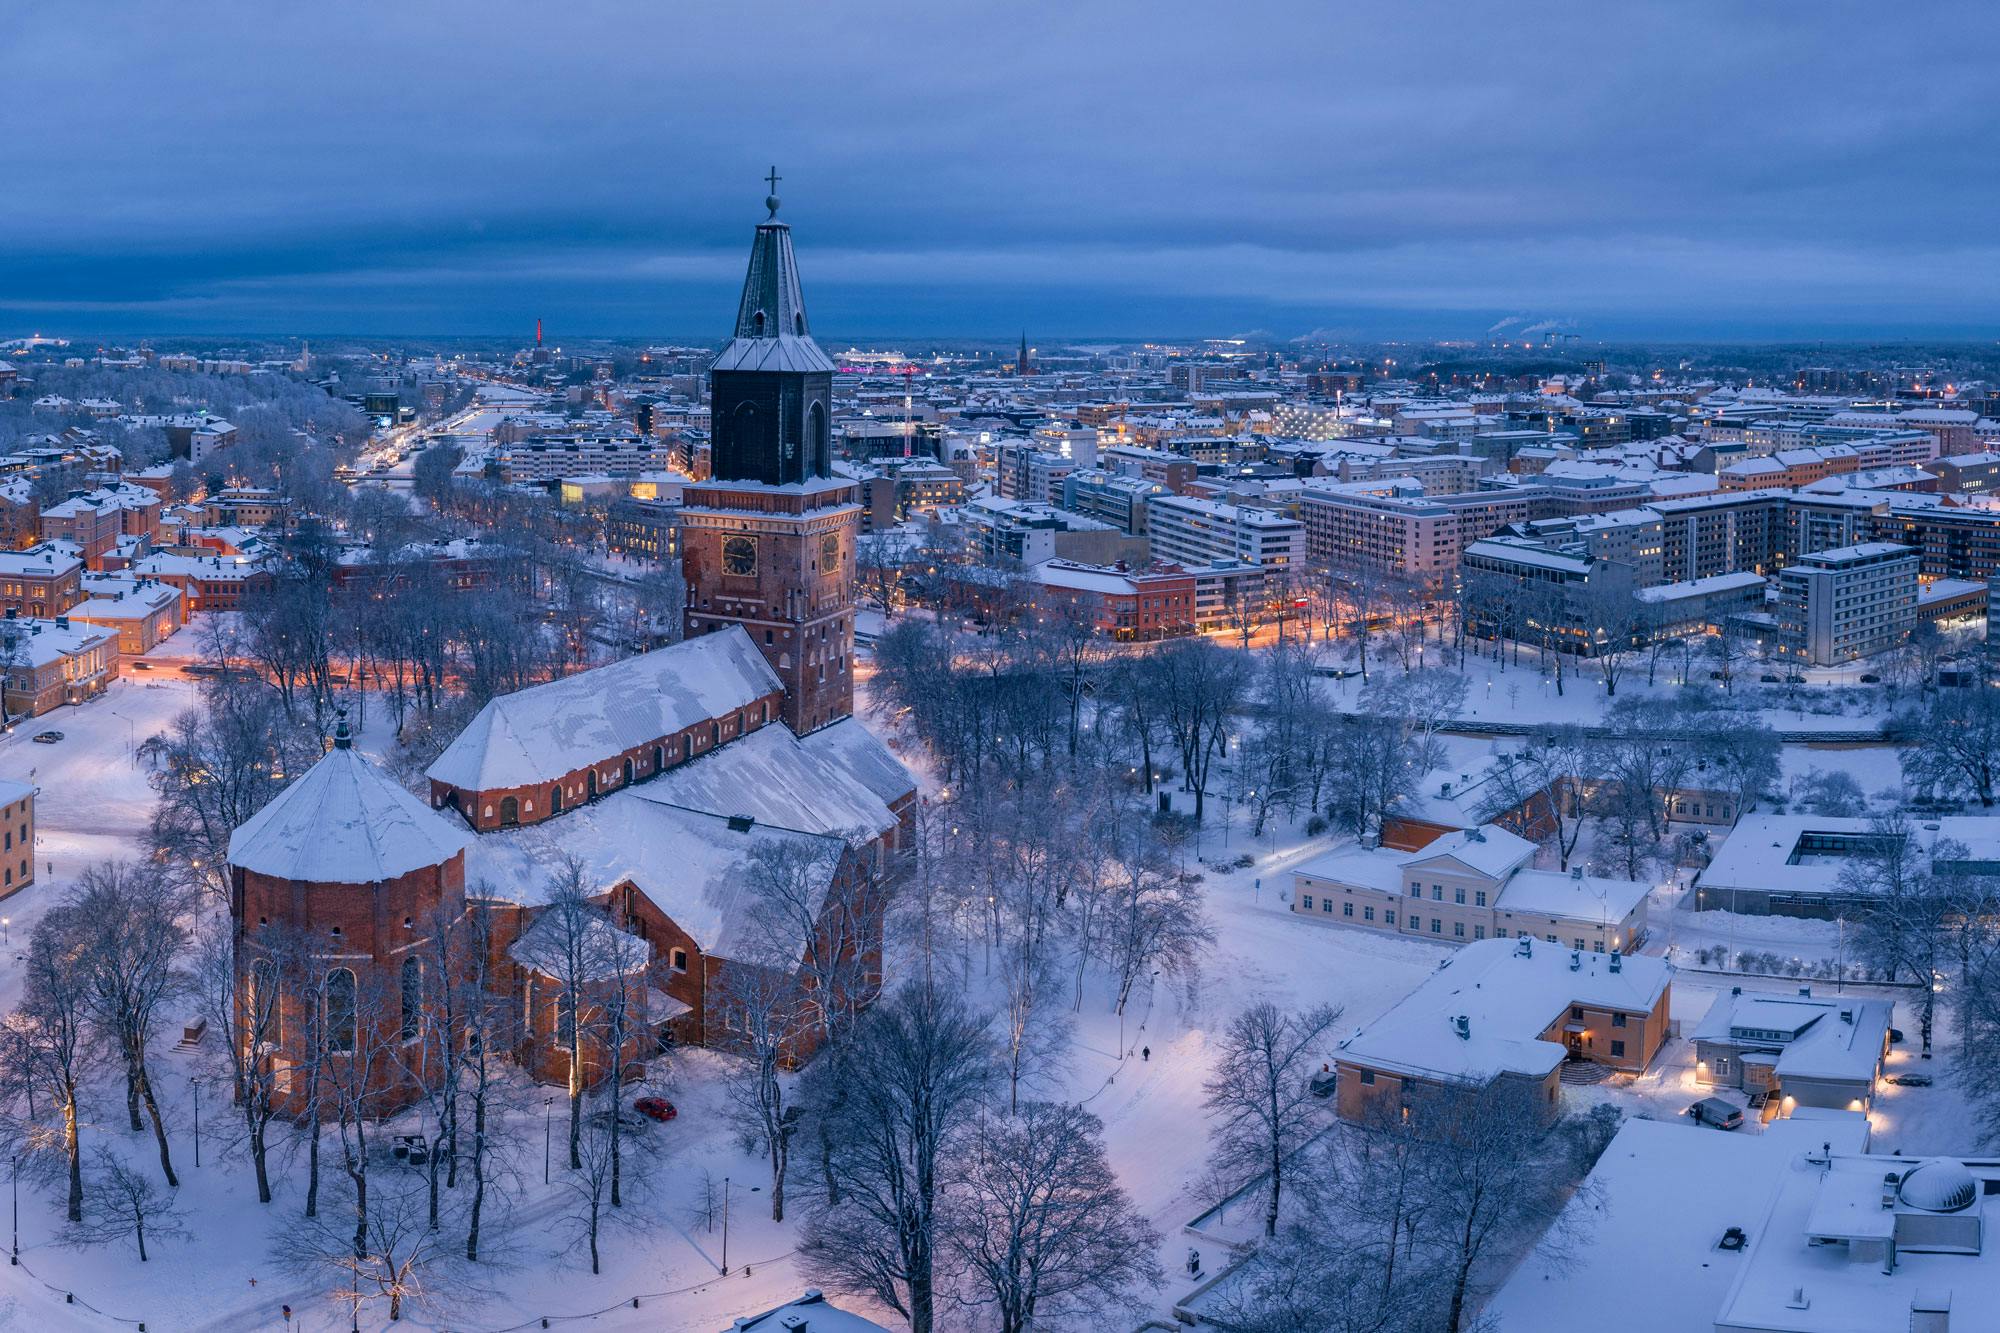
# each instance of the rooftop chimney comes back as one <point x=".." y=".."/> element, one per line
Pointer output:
<point x="1930" y="1310"/>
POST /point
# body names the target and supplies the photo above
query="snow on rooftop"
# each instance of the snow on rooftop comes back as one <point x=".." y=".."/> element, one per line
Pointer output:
<point x="1509" y="992"/>
<point x="545" y="731"/>
<point x="698" y="868"/>
<point x="344" y="822"/>
<point x="1663" y="1196"/>
<point x="1489" y="849"/>
<point x="1579" y="897"/>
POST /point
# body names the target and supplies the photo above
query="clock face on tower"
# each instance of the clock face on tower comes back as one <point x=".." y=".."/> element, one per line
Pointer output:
<point x="829" y="553"/>
<point x="739" y="555"/>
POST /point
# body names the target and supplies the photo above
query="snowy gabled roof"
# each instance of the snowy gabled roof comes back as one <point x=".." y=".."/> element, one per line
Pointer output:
<point x="815" y="1314"/>
<point x="1837" y="1038"/>
<point x="545" y="731"/>
<point x="601" y="950"/>
<point x="1508" y="999"/>
<point x="773" y="777"/>
<point x="696" y="867"/>
<point x="1489" y="849"/>
<point x="850" y="746"/>
<point x="344" y="822"/>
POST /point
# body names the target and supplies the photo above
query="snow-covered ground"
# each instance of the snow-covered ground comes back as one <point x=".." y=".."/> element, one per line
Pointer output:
<point x="94" y="803"/>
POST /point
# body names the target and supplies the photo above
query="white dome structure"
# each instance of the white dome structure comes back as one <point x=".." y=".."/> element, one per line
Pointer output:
<point x="1939" y="1186"/>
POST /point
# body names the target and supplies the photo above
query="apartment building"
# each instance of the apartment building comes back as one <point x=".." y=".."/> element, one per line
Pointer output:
<point x="1848" y="603"/>
<point x="1172" y="471"/>
<point x="17" y="837"/>
<point x="1023" y="472"/>
<point x="1116" y="499"/>
<point x="39" y="582"/>
<point x="1191" y="532"/>
<point x="1420" y="537"/>
<point x="541" y="458"/>
<point x="1730" y="533"/>
<point x="141" y="612"/>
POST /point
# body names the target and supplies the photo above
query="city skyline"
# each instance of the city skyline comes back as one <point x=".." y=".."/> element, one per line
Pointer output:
<point x="1374" y="171"/>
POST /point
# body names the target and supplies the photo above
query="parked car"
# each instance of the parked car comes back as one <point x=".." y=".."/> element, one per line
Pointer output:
<point x="1768" y="679"/>
<point x="47" y="737"/>
<point x="1910" y="1080"/>
<point x="1322" y="1083"/>
<point x="655" y="1108"/>
<point x="142" y="665"/>
<point x="1871" y="679"/>
<point x="1715" y="1111"/>
<point x="1895" y="1036"/>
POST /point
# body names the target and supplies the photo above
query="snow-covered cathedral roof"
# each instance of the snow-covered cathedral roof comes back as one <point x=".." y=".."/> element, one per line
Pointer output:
<point x="345" y="822"/>
<point x="545" y="731"/>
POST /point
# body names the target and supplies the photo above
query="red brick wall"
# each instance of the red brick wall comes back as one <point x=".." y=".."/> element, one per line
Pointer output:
<point x="372" y="943"/>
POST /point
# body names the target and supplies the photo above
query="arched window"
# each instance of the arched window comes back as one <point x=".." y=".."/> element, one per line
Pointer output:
<point x="659" y="757"/>
<point x="590" y="784"/>
<point x="340" y="1010"/>
<point x="626" y="771"/>
<point x="262" y="1012"/>
<point x="413" y="996"/>
<point x="715" y="733"/>
<point x="510" y="810"/>
<point x="816" y="441"/>
<point x="555" y="800"/>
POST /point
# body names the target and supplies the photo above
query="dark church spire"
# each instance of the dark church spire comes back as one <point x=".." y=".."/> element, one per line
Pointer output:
<point x="772" y="387"/>
<point x="1021" y="364"/>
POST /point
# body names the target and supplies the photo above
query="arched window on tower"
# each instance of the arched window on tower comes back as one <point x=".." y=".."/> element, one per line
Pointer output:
<point x="510" y="811"/>
<point x="817" y="447"/>
<point x="340" y="1011"/>
<point x="413" y="997"/>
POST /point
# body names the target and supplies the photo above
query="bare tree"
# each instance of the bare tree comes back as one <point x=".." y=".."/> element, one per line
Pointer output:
<point x="1200" y="687"/>
<point x="1491" y="1176"/>
<point x="245" y="1014"/>
<point x="928" y="1065"/>
<point x="129" y="952"/>
<point x="127" y="1204"/>
<point x="1260" y="1096"/>
<point x="214" y="768"/>
<point x="55" y="1032"/>
<point x="399" y="1259"/>
<point x="1038" y="1223"/>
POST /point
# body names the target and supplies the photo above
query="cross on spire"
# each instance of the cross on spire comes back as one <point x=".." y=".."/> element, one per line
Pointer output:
<point x="771" y="199"/>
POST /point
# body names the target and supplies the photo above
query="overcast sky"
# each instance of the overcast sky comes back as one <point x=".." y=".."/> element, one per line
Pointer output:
<point x="1743" y="168"/>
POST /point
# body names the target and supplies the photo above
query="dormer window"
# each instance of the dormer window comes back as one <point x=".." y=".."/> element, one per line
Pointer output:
<point x="757" y="322"/>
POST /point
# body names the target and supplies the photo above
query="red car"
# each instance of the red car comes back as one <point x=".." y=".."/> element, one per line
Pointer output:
<point x="655" y="1108"/>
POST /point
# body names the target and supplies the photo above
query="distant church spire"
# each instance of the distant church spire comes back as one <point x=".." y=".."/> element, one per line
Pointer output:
<point x="1021" y="364"/>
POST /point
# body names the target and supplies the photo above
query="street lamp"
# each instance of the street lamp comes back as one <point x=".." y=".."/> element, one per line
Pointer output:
<point x="548" y="1129"/>
<point x="725" y="1226"/>
<point x="194" y="1082"/>
<point x="15" y="1181"/>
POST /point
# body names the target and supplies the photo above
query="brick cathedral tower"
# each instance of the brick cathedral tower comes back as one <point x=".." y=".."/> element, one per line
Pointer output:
<point x="767" y="542"/>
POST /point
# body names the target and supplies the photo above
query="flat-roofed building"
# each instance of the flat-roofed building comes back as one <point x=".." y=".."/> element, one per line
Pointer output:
<point x="1848" y="603"/>
<point x="1191" y="532"/>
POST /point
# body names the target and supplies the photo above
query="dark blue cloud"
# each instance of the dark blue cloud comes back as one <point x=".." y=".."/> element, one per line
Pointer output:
<point x="1673" y="168"/>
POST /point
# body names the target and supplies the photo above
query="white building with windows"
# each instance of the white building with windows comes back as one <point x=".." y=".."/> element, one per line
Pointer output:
<point x="1191" y="532"/>
<point x="1848" y="603"/>
<point x="1472" y="884"/>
